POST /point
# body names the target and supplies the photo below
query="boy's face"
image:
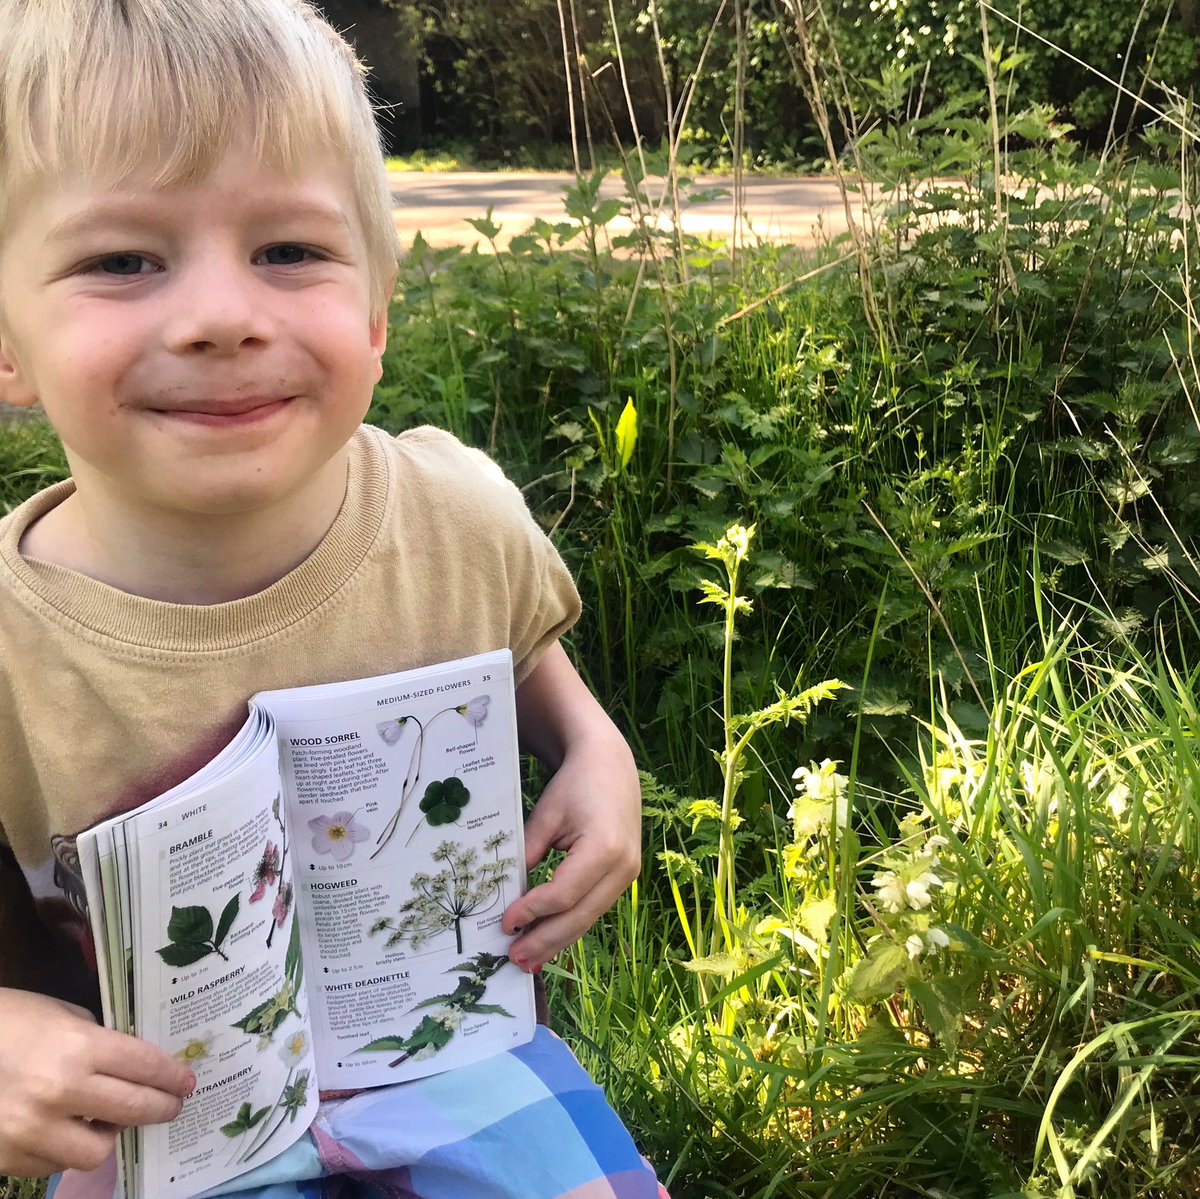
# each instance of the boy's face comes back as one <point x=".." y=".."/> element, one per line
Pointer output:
<point x="202" y="349"/>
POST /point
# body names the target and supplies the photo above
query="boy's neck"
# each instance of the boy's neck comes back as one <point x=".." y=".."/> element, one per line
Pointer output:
<point x="203" y="560"/>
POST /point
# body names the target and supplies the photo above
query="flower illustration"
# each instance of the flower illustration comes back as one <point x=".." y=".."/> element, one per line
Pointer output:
<point x="266" y="872"/>
<point x="391" y="730"/>
<point x="294" y="1048"/>
<point x="282" y="904"/>
<point x="475" y="710"/>
<point x="198" y="1049"/>
<point x="337" y="835"/>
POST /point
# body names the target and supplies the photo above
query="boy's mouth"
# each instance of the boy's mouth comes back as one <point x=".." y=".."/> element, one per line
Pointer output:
<point x="243" y="410"/>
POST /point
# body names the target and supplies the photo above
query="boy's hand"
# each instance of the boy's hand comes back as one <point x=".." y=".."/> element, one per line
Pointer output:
<point x="68" y="1086"/>
<point x="591" y="809"/>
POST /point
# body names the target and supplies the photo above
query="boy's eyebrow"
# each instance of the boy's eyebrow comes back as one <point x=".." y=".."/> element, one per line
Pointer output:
<point x="102" y="212"/>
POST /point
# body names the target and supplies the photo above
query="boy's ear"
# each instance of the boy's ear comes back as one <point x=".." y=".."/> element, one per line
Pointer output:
<point x="14" y="389"/>
<point x="379" y="323"/>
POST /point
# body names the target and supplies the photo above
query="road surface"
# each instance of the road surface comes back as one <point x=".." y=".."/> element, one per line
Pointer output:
<point x="800" y="211"/>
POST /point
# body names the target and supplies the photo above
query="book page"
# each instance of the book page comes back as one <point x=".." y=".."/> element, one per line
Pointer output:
<point x="220" y="978"/>
<point x="405" y="799"/>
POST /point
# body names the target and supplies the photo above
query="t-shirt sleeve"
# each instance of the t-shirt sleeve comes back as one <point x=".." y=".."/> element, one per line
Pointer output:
<point x="543" y="600"/>
<point x="494" y="549"/>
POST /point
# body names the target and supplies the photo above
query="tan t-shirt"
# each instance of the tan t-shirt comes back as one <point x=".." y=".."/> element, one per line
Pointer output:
<point x="108" y="699"/>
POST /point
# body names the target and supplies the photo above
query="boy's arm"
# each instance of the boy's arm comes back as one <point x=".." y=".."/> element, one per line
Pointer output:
<point x="591" y="809"/>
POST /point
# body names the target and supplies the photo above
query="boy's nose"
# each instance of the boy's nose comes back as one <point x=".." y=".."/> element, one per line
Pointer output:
<point x="217" y="310"/>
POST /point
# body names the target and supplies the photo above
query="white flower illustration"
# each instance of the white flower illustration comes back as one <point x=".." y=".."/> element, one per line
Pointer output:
<point x="475" y="710"/>
<point x="197" y="1049"/>
<point x="337" y="835"/>
<point x="294" y="1048"/>
<point x="391" y="730"/>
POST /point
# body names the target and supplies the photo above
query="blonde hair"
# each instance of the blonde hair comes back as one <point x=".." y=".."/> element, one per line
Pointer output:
<point x="106" y="88"/>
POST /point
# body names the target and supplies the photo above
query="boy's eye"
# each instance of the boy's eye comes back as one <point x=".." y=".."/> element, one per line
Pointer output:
<point x="122" y="264"/>
<point x="284" y="255"/>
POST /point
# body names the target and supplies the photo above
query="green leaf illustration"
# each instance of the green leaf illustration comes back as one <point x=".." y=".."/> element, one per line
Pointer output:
<point x="184" y="954"/>
<point x="191" y="924"/>
<point x="245" y="1120"/>
<point x="228" y="916"/>
<point x="293" y="961"/>
<point x="385" y="1045"/>
<point x="444" y="801"/>
<point x="488" y="1009"/>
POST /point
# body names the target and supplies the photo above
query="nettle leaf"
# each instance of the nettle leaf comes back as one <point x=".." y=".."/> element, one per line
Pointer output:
<point x="488" y="1009"/>
<point x="190" y="924"/>
<point x="941" y="1004"/>
<point x="186" y="954"/>
<point x="228" y="916"/>
<point x="385" y="1045"/>
<point x="878" y="975"/>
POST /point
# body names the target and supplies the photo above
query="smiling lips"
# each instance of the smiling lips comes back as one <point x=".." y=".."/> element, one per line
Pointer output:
<point x="240" y="411"/>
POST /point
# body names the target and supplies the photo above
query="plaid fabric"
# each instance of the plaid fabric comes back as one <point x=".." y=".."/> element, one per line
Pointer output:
<point x="527" y="1124"/>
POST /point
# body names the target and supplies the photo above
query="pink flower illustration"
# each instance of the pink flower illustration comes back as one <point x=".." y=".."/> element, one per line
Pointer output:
<point x="282" y="904"/>
<point x="337" y="834"/>
<point x="266" y="872"/>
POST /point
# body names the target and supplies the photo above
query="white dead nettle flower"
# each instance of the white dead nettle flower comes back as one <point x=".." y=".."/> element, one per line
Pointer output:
<point x="907" y="887"/>
<point x="823" y="784"/>
<point x="933" y="940"/>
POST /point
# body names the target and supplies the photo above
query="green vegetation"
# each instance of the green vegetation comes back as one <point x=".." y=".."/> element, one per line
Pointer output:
<point x="493" y="78"/>
<point x="890" y="562"/>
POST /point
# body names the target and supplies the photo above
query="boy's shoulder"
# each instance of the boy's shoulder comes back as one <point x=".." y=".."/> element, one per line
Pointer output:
<point x="434" y="466"/>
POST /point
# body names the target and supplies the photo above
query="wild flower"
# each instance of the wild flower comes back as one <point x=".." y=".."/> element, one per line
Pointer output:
<point x="337" y="835"/>
<point x="265" y="872"/>
<point x="823" y="800"/>
<point x="908" y="886"/>
<point x="930" y="941"/>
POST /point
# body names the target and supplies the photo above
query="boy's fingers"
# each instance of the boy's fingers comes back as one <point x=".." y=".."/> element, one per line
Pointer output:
<point x="125" y="1104"/>
<point x="549" y="935"/>
<point x="124" y="1057"/>
<point x="25" y="1165"/>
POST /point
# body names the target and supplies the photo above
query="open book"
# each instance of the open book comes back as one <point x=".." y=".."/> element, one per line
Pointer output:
<point x="318" y="908"/>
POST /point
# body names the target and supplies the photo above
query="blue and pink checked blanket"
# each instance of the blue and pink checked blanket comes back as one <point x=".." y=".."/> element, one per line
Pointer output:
<point x="527" y="1124"/>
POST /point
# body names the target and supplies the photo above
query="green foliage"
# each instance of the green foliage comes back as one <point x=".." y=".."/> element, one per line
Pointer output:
<point x="1065" y="49"/>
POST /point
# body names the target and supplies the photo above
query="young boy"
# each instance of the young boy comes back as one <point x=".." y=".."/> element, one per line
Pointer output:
<point x="196" y="256"/>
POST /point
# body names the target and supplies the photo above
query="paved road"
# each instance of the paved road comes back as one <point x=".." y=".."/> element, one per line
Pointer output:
<point x="785" y="210"/>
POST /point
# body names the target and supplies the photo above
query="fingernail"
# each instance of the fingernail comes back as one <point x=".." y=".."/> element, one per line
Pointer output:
<point x="521" y="963"/>
<point x="537" y="969"/>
